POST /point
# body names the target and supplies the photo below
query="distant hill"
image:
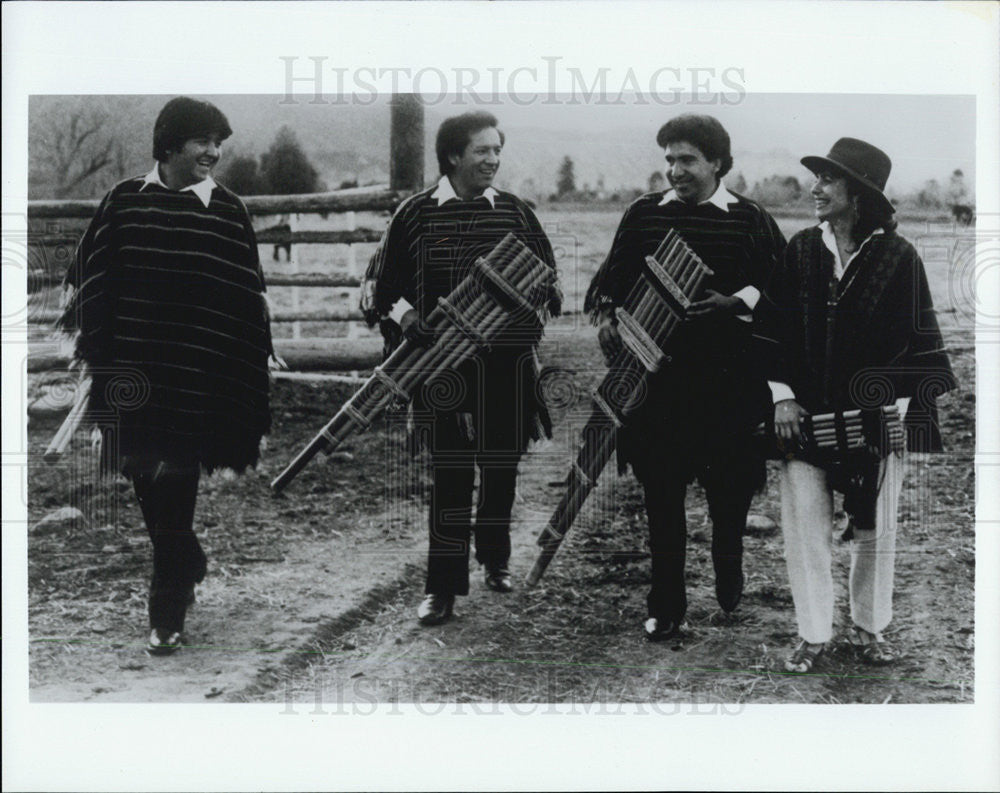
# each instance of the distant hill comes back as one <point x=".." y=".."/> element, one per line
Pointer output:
<point x="348" y="142"/>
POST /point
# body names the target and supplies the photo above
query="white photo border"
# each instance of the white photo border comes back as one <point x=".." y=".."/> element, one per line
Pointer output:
<point x="820" y="47"/>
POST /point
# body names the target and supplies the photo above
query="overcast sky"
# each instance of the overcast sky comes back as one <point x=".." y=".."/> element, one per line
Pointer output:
<point x="925" y="136"/>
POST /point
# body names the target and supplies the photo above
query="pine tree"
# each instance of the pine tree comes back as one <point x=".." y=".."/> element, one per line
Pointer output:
<point x="566" y="184"/>
<point x="241" y="175"/>
<point x="285" y="169"/>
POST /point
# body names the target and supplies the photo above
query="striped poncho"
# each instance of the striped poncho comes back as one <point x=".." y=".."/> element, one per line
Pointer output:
<point x="167" y="296"/>
<point x="705" y="403"/>
<point x="427" y="250"/>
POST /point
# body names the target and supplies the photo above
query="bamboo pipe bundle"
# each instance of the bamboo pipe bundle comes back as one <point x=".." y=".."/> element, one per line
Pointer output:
<point x="851" y="430"/>
<point x="506" y="287"/>
<point x="672" y="278"/>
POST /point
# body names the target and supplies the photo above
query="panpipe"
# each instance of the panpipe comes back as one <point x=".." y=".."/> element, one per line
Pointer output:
<point x="671" y="279"/>
<point x="877" y="431"/>
<point x="71" y="423"/>
<point x="504" y="290"/>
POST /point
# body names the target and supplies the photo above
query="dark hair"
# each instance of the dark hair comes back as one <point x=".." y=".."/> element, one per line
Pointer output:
<point x="704" y="133"/>
<point x="872" y="211"/>
<point x="454" y="133"/>
<point x="184" y="118"/>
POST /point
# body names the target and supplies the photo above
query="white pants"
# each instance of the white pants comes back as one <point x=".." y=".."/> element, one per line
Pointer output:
<point x="806" y="521"/>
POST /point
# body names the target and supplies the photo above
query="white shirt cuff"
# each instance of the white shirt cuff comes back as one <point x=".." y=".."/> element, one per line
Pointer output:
<point x="749" y="295"/>
<point x="398" y="310"/>
<point x="780" y="391"/>
<point x="902" y="403"/>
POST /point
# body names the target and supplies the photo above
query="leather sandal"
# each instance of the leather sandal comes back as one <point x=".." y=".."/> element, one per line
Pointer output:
<point x="803" y="657"/>
<point x="870" y="648"/>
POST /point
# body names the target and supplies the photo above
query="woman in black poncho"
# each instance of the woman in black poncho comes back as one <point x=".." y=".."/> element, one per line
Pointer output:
<point x="847" y="322"/>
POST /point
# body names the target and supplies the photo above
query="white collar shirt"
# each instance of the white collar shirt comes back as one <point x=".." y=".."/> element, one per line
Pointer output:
<point x="445" y="192"/>
<point x="721" y="198"/>
<point x="202" y="189"/>
<point x="830" y="241"/>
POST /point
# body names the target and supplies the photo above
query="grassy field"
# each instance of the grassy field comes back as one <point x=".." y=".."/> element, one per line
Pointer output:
<point x="584" y="237"/>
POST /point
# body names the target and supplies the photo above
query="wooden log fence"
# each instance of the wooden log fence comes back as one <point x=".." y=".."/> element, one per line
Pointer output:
<point x="312" y="203"/>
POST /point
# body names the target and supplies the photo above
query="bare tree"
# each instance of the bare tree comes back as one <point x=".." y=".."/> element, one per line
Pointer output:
<point x="76" y="150"/>
<point x="121" y="169"/>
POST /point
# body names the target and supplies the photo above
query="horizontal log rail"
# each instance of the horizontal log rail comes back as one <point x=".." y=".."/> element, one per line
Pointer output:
<point x="38" y="279"/>
<point x="311" y="203"/>
<point x="50" y="315"/>
<point x="301" y="355"/>
<point x="273" y="236"/>
<point x="312" y="279"/>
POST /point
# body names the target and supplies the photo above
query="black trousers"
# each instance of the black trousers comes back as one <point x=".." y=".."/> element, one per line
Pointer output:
<point x="455" y="459"/>
<point x="167" y="498"/>
<point x="495" y="392"/>
<point x="728" y="493"/>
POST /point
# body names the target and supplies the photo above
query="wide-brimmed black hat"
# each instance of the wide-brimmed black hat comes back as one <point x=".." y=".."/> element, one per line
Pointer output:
<point x="867" y="165"/>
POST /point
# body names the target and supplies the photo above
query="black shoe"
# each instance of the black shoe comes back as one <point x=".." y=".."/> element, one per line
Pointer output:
<point x="435" y="609"/>
<point x="498" y="578"/>
<point x="728" y="595"/>
<point x="163" y="641"/>
<point x="658" y="630"/>
<point x="729" y="583"/>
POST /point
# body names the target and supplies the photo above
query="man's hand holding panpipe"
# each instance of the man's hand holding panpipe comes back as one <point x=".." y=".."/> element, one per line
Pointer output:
<point x="715" y="303"/>
<point x="609" y="339"/>
<point x="788" y="415"/>
<point x="416" y="330"/>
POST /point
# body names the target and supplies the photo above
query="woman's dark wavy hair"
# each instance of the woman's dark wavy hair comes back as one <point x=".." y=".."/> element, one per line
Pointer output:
<point x="184" y="118"/>
<point x="454" y="133"/>
<point x="872" y="212"/>
<point x="704" y="133"/>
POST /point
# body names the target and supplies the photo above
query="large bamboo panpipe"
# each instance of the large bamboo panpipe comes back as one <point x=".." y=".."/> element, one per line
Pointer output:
<point x="506" y="289"/>
<point x="670" y="281"/>
<point x="875" y="431"/>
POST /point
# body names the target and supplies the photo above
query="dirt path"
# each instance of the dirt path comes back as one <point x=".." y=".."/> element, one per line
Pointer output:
<point x="281" y="569"/>
<point x="245" y="622"/>
<point x="311" y="597"/>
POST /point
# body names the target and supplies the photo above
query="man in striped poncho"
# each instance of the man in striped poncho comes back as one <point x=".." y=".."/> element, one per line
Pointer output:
<point x="167" y="299"/>
<point x="701" y="408"/>
<point x="487" y="419"/>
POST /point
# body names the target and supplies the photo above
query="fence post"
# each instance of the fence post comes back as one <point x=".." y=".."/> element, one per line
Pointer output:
<point x="293" y="262"/>
<point x="354" y="329"/>
<point x="406" y="143"/>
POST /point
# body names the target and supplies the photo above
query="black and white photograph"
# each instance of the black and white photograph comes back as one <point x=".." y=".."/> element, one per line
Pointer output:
<point x="357" y="385"/>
